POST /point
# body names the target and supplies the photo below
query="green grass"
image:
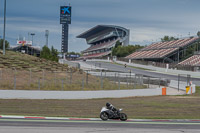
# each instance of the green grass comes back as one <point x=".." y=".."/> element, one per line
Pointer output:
<point x="197" y="91"/>
<point x="157" y="107"/>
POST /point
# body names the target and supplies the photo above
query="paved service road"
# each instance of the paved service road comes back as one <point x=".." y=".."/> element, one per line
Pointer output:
<point x="121" y="68"/>
<point x="71" y="126"/>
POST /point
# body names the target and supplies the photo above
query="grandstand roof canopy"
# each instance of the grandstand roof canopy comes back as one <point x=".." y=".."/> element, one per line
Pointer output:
<point x="97" y="29"/>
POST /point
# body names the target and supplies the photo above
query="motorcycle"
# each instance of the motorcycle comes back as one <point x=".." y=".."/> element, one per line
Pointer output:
<point x="106" y="114"/>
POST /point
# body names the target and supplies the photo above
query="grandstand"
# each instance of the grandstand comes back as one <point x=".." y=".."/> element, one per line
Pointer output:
<point x="192" y="61"/>
<point x="166" y="52"/>
<point x="102" y="38"/>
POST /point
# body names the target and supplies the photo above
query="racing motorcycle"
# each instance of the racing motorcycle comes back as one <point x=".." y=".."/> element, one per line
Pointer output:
<point x="106" y="114"/>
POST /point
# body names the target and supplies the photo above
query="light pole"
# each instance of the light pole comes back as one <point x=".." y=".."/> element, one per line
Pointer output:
<point x="32" y="34"/>
<point x="4" y="28"/>
<point x="47" y="35"/>
<point x="28" y="36"/>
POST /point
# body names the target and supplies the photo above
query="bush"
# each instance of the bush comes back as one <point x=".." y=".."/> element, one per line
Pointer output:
<point x="1" y="44"/>
<point x="48" y="54"/>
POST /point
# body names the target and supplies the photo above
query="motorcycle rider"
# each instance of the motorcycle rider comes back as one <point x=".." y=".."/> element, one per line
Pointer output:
<point x="111" y="108"/>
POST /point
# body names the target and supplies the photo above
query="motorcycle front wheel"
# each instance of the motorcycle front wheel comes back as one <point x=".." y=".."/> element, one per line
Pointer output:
<point x="123" y="117"/>
<point x="104" y="116"/>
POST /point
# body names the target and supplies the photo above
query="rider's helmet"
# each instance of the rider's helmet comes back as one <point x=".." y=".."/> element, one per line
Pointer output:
<point x="107" y="104"/>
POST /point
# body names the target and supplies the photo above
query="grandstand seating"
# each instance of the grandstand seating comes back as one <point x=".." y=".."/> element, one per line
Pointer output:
<point x="151" y="53"/>
<point x="168" y="44"/>
<point x="192" y="61"/>
<point x="101" y="46"/>
<point x="102" y="38"/>
<point x="161" y="49"/>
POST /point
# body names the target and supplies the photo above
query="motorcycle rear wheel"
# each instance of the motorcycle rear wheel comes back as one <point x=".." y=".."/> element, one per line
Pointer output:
<point x="104" y="116"/>
<point x="123" y="117"/>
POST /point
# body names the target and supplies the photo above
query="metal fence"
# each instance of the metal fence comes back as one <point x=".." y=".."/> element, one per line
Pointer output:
<point x="131" y="79"/>
<point x="32" y="79"/>
<point x="183" y="80"/>
<point x="74" y="80"/>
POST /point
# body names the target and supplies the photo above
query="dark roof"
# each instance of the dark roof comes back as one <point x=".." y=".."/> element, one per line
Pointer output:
<point x="97" y="29"/>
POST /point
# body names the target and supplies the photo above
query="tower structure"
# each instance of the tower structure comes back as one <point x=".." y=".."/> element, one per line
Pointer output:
<point x="65" y="20"/>
<point x="47" y="36"/>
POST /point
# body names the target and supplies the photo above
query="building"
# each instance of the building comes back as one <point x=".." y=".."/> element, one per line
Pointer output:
<point x="26" y="47"/>
<point x="102" y="38"/>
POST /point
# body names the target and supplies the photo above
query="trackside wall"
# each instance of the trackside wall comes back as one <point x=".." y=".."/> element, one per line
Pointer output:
<point x="20" y="94"/>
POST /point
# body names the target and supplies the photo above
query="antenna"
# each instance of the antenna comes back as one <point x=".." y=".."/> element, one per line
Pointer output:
<point x="47" y="36"/>
<point x="28" y="36"/>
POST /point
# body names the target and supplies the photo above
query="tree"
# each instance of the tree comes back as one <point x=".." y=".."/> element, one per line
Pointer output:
<point x="123" y="51"/>
<point x="167" y="38"/>
<point x="198" y="33"/>
<point x="115" y="49"/>
<point x="6" y="44"/>
<point x="118" y="43"/>
<point x="45" y="53"/>
<point x="54" y="54"/>
<point x="48" y="54"/>
<point x="73" y="53"/>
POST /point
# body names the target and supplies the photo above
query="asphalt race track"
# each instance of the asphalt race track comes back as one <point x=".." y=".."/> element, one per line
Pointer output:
<point x="84" y="126"/>
<point x="121" y="68"/>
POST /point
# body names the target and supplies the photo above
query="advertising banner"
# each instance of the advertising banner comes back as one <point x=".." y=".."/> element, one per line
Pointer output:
<point x="24" y="42"/>
<point x="65" y="15"/>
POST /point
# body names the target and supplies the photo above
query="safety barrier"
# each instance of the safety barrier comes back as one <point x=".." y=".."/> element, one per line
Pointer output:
<point x="164" y="91"/>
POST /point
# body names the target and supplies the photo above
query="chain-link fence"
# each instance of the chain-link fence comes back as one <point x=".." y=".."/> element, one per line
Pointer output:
<point x="40" y="79"/>
<point x="52" y="80"/>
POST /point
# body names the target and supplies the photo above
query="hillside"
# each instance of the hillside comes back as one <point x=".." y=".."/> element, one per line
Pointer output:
<point x="24" y="72"/>
<point x="21" y="61"/>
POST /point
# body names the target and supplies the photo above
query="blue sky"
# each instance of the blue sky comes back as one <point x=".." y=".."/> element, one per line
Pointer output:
<point x="148" y="20"/>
